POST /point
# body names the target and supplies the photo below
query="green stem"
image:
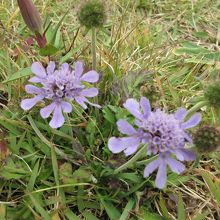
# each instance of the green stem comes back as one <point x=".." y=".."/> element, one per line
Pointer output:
<point x="132" y="160"/>
<point x="55" y="171"/>
<point x="198" y="106"/>
<point x="94" y="64"/>
<point x="94" y="48"/>
<point x="76" y="147"/>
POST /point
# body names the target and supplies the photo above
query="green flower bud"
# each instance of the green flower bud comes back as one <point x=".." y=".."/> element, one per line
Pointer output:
<point x="207" y="139"/>
<point x="92" y="14"/>
<point x="30" y="15"/>
<point x="212" y="94"/>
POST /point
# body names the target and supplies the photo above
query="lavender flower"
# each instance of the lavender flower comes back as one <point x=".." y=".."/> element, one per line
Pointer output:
<point x="60" y="86"/>
<point x="164" y="133"/>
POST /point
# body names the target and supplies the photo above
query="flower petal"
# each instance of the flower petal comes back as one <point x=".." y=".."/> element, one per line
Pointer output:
<point x="116" y="145"/>
<point x="145" y="105"/>
<point x="30" y="89"/>
<point x="92" y="104"/>
<point x="184" y="154"/>
<point x="35" y="79"/>
<point x="65" y="66"/>
<point x="66" y="107"/>
<point x="161" y="177"/>
<point x="175" y="165"/>
<point x="78" y="69"/>
<point x="46" y="111"/>
<point x="38" y="69"/>
<point x="91" y="92"/>
<point x="51" y="67"/>
<point x="57" y="119"/>
<point x="134" y="142"/>
<point x="133" y="107"/>
<point x="151" y="167"/>
<point x="192" y="122"/>
<point x="91" y="76"/>
<point x="180" y="114"/>
<point x="81" y="101"/>
<point x="27" y="104"/>
<point x="125" y="128"/>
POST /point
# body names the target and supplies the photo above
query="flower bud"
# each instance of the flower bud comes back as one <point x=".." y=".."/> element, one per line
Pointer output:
<point x="212" y="94"/>
<point x="92" y="14"/>
<point x="30" y="15"/>
<point x="207" y="139"/>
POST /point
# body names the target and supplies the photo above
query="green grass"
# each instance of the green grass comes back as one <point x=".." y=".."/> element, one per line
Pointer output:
<point x="166" y="50"/>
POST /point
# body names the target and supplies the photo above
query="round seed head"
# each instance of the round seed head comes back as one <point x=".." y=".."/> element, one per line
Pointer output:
<point x="212" y="94"/>
<point x="207" y="139"/>
<point x="92" y="14"/>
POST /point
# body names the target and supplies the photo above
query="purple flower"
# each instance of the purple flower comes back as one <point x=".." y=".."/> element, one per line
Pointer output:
<point x="127" y="144"/>
<point x="60" y="86"/>
<point x="164" y="133"/>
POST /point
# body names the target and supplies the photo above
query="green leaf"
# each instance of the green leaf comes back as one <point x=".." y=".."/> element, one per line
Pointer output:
<point x="108" y="115"/>
<point x="89" y="216"/>
<point x="201" y="216"/>
<point x="145" y="214"/>
<point x="127" y="209"/>
<point x="53" y="38"/>
<point x="48" y="50"/>
<point x="70" y="215"/>
<point x="176" y="179"/>
<point x="112" y="212"/>
<point x="201" y="34"/>
<point x="80" y="196"/>
<point x="181" y="209"/>
<point x="21" y="73"/>
<point x="164" y="208"/>
<point x="214" y="187"/>
<point x="39" y="208"/>
<point x="33" y="177"/>
<point x="71" y="53"/>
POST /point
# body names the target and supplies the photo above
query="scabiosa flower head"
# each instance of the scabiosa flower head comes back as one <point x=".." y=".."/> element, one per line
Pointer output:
<point x="92" y="14"/>
<point x="60" y="86"/>
<point x="207" y="139"/>
<point x="212" y="94"/>
<point x="164" y="133"/>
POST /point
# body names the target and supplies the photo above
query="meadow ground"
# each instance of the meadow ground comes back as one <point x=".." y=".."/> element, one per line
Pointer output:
<point x="166" y="50"/>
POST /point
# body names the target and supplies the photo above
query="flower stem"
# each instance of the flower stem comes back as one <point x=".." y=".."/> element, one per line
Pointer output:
<point x="94" y="64"/>
<point x="77" y="148"/>
<point x="132" y="160"/>
<point x="94" y="48"/>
